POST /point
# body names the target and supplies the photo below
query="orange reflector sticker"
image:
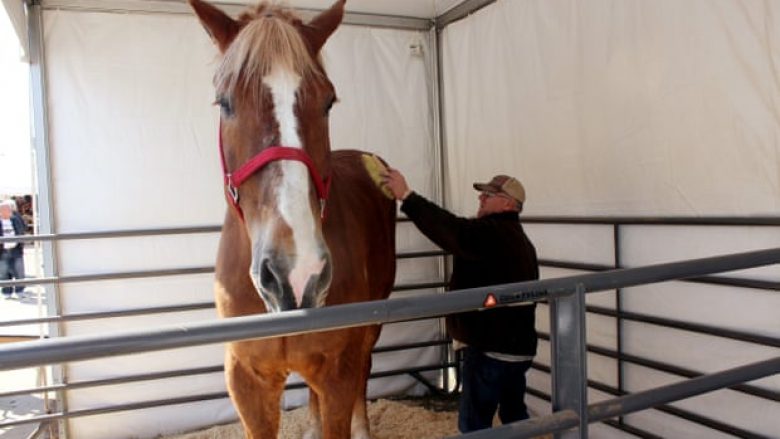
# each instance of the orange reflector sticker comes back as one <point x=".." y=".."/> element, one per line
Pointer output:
<point x="490" y="301"/>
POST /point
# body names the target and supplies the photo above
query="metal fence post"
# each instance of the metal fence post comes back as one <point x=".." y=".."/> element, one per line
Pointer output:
<point x="569" y="372"/>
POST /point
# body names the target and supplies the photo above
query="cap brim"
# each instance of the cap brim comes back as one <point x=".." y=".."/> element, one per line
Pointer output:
<point x="485" y="187"/>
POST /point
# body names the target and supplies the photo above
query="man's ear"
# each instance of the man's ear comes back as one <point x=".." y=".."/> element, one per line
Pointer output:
<point x="323" y="25"/>
<point x="219" y="25"/>
<point x="509" y="203"/>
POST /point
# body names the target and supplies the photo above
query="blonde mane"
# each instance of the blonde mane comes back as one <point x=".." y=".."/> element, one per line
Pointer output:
<point x="269" y="39"/>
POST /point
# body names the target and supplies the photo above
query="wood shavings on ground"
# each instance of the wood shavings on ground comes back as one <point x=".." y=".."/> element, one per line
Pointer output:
<point x="388" y="420"/>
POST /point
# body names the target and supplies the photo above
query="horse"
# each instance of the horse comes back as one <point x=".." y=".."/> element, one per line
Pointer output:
<point x="305" y="226"/>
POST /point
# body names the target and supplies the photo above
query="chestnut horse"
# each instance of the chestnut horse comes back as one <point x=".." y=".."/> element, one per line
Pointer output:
<point x="306" y="226"/>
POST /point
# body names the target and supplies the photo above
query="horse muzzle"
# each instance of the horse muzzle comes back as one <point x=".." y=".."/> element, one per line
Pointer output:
<point x="286" y="283"/>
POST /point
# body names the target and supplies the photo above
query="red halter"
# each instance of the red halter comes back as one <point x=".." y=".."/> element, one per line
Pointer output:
<point x="273" y="153"/>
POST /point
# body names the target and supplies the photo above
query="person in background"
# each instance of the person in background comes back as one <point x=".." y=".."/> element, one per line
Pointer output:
<point x="11" y="253"/>
<point x="24" y="208"/>
<point x="499" y="344"/>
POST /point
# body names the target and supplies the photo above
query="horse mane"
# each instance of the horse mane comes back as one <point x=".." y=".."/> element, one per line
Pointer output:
<point x="269" y="37"/>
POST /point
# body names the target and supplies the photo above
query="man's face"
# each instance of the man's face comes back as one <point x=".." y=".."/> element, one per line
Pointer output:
<point x="490" y="202"/>
<point x="5" y="212"/>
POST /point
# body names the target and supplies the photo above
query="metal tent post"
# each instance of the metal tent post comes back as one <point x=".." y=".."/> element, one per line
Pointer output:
<point x="569" y="373"/>
<point x="44" y="187"/>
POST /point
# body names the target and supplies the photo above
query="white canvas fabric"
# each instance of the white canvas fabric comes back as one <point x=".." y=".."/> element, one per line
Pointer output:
<point x="639" y="108"/>
<point x="617" y="108"/>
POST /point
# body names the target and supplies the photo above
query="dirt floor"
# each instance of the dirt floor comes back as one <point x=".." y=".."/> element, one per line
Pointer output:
<point x="408" y="418"/>
<point x="389" y="419"/>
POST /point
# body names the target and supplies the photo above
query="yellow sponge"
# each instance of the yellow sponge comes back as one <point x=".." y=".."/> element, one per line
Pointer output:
<point x="375" y="169"/>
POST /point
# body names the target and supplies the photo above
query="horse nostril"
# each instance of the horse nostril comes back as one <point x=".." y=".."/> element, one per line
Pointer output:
<point x="325" y="276"/>
<point x="269" y="280"/>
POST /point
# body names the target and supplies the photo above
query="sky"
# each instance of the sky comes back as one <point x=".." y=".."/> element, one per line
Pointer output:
<point x="15" y="147"/>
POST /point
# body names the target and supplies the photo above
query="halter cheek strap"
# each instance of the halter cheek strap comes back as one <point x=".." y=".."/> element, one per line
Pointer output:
<point x="271" y="154"/>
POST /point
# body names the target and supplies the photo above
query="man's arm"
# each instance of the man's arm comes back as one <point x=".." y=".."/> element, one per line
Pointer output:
<point x="452" y="233"/>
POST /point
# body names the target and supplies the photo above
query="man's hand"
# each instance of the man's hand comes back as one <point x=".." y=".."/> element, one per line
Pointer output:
<point x="395" y="181"/>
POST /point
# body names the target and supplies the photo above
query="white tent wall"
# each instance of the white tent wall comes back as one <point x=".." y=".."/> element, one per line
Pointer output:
<point x="632" y="108"/>
<point x="133" y="139"/>
<point x="640" y="107"/>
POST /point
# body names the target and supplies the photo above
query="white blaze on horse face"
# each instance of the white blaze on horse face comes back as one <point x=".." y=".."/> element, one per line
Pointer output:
<point x="293" y="193"/>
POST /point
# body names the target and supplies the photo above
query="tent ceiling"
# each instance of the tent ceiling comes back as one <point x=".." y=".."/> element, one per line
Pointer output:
<point x="402" y="14"/>
<point x="14" y="9"/>
<point x="406" y="8"/>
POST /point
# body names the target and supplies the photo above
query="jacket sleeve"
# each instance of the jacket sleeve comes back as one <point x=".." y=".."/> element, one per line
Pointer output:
<point x="454" y="234"/>
<point x="19" y="227"/>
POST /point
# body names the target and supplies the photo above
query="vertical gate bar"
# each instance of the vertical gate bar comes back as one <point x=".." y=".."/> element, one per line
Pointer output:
<point x="619" y="315"/>
<point x="569" y="362"/>
<point x="434" y="69"/>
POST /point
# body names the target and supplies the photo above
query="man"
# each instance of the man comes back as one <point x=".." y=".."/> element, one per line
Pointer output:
<point x="490" y="249"/>
<point x="11" y="253"/>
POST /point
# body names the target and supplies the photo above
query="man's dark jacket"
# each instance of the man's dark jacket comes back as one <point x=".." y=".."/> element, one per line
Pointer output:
<point x="490" y="250"/>
<point x="19" y="229"/>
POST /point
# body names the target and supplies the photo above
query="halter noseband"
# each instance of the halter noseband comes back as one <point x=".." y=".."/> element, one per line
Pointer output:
<point x="233" y="180"/>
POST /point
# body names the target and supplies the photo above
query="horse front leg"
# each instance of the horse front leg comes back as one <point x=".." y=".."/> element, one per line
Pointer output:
<point x="336" y="392"/>
<point x="256" y="397"/>
<point x="360" y="427"/>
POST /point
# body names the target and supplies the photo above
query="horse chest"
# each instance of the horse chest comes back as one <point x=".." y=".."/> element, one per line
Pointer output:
<point x="295" y="353"/>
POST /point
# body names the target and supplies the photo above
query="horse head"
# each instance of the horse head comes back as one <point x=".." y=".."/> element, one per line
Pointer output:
<point x="275" y="99"/>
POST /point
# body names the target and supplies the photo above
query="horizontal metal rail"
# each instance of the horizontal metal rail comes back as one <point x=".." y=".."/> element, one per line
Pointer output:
<point x="74" y="317"/>
<point x="421" y="254"/>
<point x="634" y="431"/>
<point x="142" y="274"/>
<point x="556" y="422"/>
<point x="169" y="309"/>
<point x="655" y="221"/>
<point x="180" y="8"/>
<point x="712" y="280"/>
<point x="642" y="400"/>
<point x="767" y="394"/>
<point x="115" y="234"/>
<point x="668" y="409"/>
<point x="630" y="316"/>
<point x="115" y="381"/>
<point x="756" y="284"/>
<point x="596" y="385"/>
<point x="730" y="334"/>
<point x="192" y="399"/>
<point x="628" y="221"/>
<point x="691" y="327"/>
<point x="360" y="314"/>
<point x="674" y="392"/>
<point x="460" y="11"/>
<point x="188" y="372"/>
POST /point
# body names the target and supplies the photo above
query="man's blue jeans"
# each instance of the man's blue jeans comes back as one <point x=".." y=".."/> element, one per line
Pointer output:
<point x="490" y="384"/>
<point x="11" y="267"/>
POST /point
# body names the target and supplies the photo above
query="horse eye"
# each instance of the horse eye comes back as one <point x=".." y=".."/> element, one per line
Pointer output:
<point x="226" y="106"/>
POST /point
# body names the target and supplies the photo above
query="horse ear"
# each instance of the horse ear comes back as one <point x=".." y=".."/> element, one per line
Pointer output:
<point x="323" y="25"/>
<point x="219" y="25"/>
